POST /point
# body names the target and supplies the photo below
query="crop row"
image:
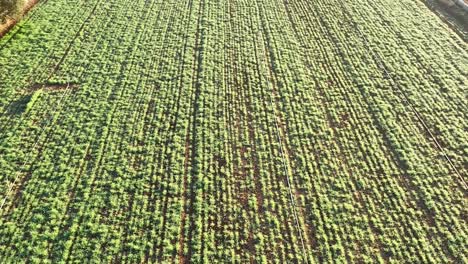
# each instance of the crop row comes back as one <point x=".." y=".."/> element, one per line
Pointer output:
<point x="240" y="131"/>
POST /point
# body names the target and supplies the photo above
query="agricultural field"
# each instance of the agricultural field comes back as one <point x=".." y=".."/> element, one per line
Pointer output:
<point x="233" y="131"/>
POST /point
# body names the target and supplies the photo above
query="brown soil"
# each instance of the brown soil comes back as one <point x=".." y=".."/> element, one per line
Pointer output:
<point x="52" y="87"/>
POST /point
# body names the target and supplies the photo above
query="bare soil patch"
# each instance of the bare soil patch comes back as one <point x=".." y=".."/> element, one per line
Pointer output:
<point x="51" y="87"/>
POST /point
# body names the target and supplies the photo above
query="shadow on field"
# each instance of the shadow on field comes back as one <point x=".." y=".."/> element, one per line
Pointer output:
<point x="26" y="101"/>
<point x="453" y="15"/>
<point x="18" y="106"/>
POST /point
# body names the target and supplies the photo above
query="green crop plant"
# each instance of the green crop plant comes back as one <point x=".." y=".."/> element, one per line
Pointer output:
<point x="232" y="131"/>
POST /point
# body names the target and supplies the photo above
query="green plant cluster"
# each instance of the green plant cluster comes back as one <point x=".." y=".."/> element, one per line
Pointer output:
<point x="166" y="149"/>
